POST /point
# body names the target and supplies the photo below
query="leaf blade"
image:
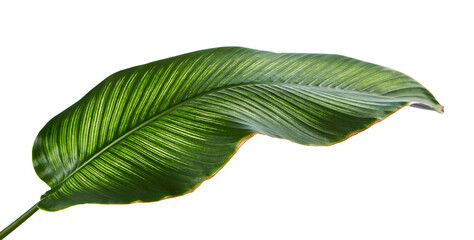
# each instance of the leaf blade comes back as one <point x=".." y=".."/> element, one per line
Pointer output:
<point x="179" y="120"/>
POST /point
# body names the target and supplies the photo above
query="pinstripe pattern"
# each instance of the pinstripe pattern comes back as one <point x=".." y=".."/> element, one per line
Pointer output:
<point x="160" y="129"/>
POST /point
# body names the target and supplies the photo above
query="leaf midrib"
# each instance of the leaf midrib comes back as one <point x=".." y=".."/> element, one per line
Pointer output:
<point x="169" y="110"/>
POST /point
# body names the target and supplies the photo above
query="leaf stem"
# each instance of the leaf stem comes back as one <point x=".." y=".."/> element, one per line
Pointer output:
<point x="18" y="222"/>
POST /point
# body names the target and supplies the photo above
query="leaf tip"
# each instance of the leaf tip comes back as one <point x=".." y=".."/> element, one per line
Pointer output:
<point x="437" y="108"/>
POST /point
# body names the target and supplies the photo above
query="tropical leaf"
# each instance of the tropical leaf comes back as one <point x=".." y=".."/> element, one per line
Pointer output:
<point x="158" y="130"/>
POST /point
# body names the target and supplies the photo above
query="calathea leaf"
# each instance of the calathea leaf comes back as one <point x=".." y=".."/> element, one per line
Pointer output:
<point x="158" y="130"/>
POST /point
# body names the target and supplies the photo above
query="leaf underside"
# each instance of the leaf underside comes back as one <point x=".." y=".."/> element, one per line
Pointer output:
<point x="158" y="130"/>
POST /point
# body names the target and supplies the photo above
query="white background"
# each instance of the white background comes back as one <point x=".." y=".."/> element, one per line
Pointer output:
<point x="409" y="177"/>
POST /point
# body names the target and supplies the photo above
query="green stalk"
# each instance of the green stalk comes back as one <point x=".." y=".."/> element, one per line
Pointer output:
<point x="18" y="222"/>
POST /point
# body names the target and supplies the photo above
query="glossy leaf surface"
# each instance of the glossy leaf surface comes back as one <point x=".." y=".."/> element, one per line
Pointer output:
<point x="158" y="130"/>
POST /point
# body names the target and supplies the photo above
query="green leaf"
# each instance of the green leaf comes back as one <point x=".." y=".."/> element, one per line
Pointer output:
<point x="158" y="130"/>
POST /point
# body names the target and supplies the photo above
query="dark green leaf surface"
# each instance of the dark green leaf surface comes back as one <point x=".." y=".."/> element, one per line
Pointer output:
<point x="158" y="130"/>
